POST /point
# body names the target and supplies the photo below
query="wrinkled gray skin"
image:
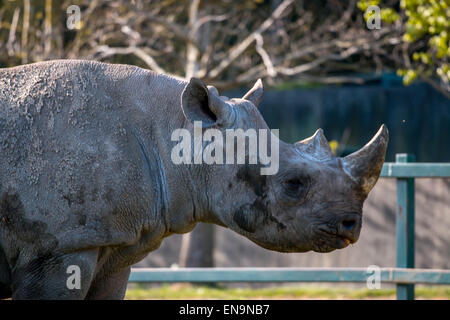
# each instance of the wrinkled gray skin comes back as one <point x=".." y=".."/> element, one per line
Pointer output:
<point x="86" y="177"/>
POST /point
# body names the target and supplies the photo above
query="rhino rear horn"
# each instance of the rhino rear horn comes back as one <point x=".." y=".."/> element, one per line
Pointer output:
<point x="316" y="145"/>
<point x="255" y="94"/>
<point x="364" y="166"/>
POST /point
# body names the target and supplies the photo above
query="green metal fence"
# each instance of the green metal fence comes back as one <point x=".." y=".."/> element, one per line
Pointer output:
<point x="405" y="170"/>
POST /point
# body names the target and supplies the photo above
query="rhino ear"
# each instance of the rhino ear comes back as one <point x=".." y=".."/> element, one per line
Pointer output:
<point x="200" y="104"/>
<point x="255" y="94"/>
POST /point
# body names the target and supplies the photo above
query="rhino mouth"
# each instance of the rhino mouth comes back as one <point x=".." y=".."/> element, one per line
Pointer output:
<point x="347" y="240"/>
<point x="331" y="239"/>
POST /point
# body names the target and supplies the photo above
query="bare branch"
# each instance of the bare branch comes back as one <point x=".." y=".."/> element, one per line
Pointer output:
<point x="361" y="44"/>
<point x="333" y="52"/>
<point x="206" y="19"/>
<point x="236" y="51"/>
<point x="140" y="53"/>
<point x="443" y="88"/>
<point x="301" y="68"/>
<point x="304" y="77"/>
<point x="176" y="29"/>
<point x="264" y="55"/>
<point x="12" y="32"/>
<point x="106" y="51"/>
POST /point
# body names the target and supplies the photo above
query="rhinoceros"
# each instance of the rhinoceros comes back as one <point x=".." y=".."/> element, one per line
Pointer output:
<point x="87" y="179"/>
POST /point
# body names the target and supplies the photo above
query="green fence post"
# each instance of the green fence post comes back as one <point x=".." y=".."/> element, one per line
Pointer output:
<point x="405" y="227"/>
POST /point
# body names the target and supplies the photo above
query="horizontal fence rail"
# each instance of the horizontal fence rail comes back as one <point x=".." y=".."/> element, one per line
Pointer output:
<point x="415" y="170"/>
<point x="387" y="275"/>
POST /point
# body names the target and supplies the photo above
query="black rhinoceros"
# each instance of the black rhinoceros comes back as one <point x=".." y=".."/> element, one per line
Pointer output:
<point x="88" y="179"/>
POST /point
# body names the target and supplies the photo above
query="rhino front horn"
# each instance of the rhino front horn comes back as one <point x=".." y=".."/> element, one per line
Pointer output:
<point x="364" y="166"/>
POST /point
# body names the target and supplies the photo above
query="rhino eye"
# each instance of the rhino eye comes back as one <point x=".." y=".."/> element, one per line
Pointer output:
<point x="297" y="187"/>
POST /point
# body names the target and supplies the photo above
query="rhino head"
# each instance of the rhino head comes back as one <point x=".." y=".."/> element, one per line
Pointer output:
<point x="313" y="202"/>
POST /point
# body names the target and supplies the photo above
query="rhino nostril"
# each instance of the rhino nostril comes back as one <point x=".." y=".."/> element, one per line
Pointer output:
<point x="348" y="225"/>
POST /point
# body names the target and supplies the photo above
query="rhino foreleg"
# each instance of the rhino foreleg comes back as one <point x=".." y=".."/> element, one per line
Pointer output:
<point x="52" y="276"/>
<point x="109" y="287"/>
<point x="5" y="277"/>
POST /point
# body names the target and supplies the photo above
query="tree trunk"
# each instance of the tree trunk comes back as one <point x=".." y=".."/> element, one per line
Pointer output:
<point x="192" y="63"/>
<point x="197" y="247"/>
<point x="48" y="28"/>
<point x="25" y="30"/>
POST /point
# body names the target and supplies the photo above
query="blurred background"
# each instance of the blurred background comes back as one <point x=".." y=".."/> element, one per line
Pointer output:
<point x="346" y="66"/>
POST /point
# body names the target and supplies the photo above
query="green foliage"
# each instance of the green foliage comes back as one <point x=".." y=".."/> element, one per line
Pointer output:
<point x="387" y="14"/>
<point x="426" y="26"/>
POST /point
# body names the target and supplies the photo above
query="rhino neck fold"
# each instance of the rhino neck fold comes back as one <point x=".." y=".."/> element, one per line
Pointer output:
<point x="182" y="190"/>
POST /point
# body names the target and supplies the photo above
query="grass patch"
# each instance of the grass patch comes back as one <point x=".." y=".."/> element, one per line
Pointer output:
<point x="186" y="291"/>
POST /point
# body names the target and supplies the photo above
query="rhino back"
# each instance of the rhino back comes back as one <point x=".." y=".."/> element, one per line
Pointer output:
<point x="77" y="168"/>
